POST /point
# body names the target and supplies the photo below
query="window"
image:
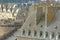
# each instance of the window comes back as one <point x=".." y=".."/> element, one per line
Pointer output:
<point x="30" y="24"/>
<point x="56" y="27"/>
<point x="41" y="26"/>
<point x="52" y="35"/>
<point x="23" y="31"/>
<point x="59" y="36"/>
<point x="29" y="32"/>
<point x="35" y="33"/>
<point x="41" y="33"/>
<point x="46" y="34"/>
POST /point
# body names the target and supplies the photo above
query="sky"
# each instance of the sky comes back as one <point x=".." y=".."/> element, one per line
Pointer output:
<point x="4" y="1"/>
